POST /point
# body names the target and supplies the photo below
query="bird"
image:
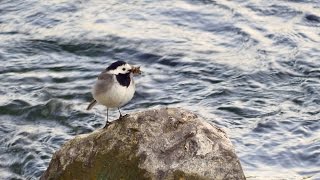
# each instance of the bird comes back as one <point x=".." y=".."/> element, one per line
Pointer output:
<point x="114" y="87"/>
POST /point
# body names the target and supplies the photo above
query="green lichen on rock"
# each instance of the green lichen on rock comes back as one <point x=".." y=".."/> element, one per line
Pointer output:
<point x="167" y="143"/>
<point x="180" y="175"/>
<point x="112" y="165"/>
<point x="118" y="162"/>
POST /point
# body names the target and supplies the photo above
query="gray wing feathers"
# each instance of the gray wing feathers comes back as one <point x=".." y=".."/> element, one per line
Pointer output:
<point x="103" y="84"/>
<point x="105" y="76"/>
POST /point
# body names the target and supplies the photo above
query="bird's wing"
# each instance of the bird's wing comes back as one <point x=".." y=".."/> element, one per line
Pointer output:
<point x="104" y="83"/>
<point x="93" y="102"/>
<point x="104" y="75"/>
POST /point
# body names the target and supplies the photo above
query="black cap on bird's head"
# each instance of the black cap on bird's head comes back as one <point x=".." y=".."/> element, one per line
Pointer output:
<point x="115" y="65"/>
<point x="119" y="67"/>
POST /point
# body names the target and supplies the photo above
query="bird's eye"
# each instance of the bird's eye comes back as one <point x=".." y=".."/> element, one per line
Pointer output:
<point x="123" y="69"/>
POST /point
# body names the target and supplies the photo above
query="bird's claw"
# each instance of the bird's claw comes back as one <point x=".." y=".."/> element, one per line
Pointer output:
<point x="126" y="115"/>
<point x="107" y="125"/>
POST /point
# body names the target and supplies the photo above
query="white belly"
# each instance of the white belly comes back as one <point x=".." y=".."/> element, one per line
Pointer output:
<point x="117" y="96"/>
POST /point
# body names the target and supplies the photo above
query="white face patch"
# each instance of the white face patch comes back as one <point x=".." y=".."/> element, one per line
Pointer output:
<point x="123" y="69"/>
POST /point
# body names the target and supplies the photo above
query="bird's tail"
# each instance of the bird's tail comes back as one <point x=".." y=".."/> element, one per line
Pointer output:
<point x="93" y="102"/>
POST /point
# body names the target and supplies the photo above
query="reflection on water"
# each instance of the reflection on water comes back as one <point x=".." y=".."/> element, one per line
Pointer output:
<point x="252" y="67"/>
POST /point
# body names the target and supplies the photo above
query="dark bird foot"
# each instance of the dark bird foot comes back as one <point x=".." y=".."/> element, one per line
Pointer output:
<point x="107" y="125"/>
<point x="121" y="117"/>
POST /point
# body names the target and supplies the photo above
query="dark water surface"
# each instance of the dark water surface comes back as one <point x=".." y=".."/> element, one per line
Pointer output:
<point x="252" y="67"/>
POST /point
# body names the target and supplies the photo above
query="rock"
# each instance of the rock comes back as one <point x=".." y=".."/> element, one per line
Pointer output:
<point x="167" y="143"/>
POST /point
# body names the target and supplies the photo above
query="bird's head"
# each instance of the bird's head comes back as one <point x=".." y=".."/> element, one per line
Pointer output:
<point x="119" y="67"/>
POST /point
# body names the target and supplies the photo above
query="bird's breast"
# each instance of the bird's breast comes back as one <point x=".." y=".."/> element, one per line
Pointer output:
<point x="117" y="95"/>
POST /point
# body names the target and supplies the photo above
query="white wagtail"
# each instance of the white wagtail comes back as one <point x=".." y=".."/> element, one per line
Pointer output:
<point x="114" y="87"/>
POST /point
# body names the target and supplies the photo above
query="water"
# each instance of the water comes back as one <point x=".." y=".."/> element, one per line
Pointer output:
<point x="251" y="67"/>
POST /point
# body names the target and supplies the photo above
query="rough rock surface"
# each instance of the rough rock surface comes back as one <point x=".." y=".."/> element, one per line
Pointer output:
<point x="167" y="143"/>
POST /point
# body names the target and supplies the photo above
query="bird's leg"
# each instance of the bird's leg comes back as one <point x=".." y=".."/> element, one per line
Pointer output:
<point x="120" y="113"/>
<point x="107" y="123"/>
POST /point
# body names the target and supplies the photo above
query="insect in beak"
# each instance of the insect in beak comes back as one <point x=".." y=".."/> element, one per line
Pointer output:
<point x="136" y="70"/>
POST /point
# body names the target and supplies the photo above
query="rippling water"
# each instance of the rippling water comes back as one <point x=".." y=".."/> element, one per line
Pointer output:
<point x="252" y="67"/>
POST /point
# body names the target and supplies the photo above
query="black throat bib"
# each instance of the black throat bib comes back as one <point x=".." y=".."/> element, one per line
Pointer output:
<point x="123" y="79"/>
